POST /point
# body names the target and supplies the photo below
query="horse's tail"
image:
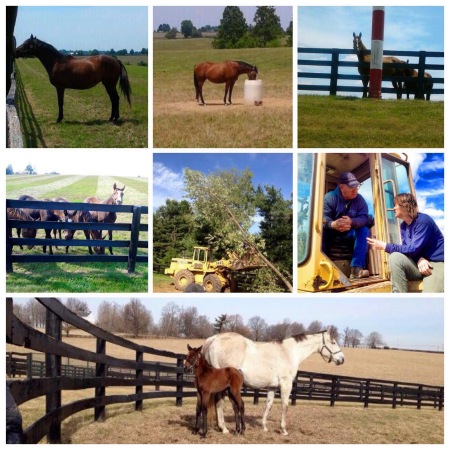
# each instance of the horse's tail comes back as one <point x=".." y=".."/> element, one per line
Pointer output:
<point x="196" y="83"/>
<point x="124" y="82"/>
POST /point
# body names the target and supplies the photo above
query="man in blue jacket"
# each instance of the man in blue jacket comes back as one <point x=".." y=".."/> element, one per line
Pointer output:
<point x="421" y="253"/>
<point x="345" y="213"/>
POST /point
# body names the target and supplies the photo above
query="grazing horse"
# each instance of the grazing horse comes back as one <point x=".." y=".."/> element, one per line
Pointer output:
<point x="269" y="365"/>
<point x="68" y="72"/>
<point x="388" y="71"/>
<point x="412" y="86"/>
<point x="225" y="72"/>
<point x="209" y="382"/>
<point x="116" y="198"/>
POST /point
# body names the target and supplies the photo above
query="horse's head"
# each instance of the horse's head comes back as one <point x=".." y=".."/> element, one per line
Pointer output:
<point x="330" y="350"/>
<point x="69" y="217"/>
<point x="253" y="73"/>
<point x="29" y="233"/>
<point x="27" y="49"/>
<point x="192" y="358"/>
<point x="117" y="195"/>
<point x="357" y="43"/>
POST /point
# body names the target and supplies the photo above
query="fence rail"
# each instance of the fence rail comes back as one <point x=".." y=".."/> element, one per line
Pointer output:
<point x="135" y="227"/>
<point x="335" y="64"/>
<point x="137" y="373"/>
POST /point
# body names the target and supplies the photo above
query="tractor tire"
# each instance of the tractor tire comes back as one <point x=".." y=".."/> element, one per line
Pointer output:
<point x="182" y="279"/>
<point x="212" y="283"/>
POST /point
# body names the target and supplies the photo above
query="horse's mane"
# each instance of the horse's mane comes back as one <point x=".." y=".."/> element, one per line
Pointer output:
<point x="47" y="48"/>
<point x="249" y="66"/>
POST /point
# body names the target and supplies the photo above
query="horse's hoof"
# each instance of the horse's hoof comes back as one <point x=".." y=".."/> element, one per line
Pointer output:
<point x="225" y="430"/>
<point x="284" y="432"/>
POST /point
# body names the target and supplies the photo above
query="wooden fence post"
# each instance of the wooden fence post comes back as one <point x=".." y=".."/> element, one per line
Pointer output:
<point x="9" y="248"/>
<point x="394" y="396"/>
<point x="256" y="397"/>
<point x="366" y="397"/>
<point x="419" y="397"/>
<point x="139" y="377"/>
<point x="334" y="71"/>
<point x="53" y="329"/>
<point x="180" y="377"/>
<point x="100" y="371"/>
<point x="134" y="238"/>
<point x="334" y="390"/>
<point x="421" y="76"/>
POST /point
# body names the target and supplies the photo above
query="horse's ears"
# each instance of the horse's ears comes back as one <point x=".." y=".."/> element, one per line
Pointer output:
<point x="200" y="348"/>
<point x="189" y="347"/>
<point x="115" y="186"/>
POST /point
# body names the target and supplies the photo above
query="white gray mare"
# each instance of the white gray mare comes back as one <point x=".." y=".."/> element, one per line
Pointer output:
<point x="268" y="365"/>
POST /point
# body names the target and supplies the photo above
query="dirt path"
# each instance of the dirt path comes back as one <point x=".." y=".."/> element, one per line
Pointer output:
<point x="183" y="107"/>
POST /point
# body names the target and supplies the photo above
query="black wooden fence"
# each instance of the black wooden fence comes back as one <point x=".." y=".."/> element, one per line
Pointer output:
<point x="135" y="227"/>
<point x="137" y="373"/>
<point x="335" y="64"/>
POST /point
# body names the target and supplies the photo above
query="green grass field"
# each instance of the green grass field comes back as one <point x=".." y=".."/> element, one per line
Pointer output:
<point x="86" y="112"/>
<point x="179" y="122"/>
<point x="350" y="122"/>
<point x="82" y="277"/>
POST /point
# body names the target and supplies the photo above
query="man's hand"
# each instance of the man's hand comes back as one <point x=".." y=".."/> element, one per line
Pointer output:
<point x="343" y="224"/>
<point x="424" y="267"/>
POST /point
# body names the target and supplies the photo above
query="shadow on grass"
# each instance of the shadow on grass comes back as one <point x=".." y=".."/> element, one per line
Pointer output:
<point x="31" y="131"/>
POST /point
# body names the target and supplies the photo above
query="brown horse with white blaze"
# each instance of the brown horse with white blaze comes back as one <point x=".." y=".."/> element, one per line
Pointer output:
<point x="225" y="72"/>
<point x="69" y="72"/>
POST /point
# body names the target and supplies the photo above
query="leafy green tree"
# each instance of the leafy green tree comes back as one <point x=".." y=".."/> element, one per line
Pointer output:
<point x="173" y="231"/>
<point x="289" y="31"/>
<point x="29" y="170"/>
<point x="276" y="228"/>
<point x="172" y="34"/>
<point x="267" y="25"/>
<point x="187" y="28"/>
<point x="232" y="28"/>
<point x="9" y="170"/>
<point x="163" y="28"/>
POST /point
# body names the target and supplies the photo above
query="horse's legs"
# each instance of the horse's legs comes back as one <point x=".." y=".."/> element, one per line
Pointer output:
<point x="48" y="235"/>
<point x="269" y="403"/>
<point x="220" y="418"/>
<point x="110" y="238"/>
<point x="18" y="230"/>
<point x="285" y="390"/>
<point x="238" y="407"/>
<point x="398" y="88"/>
<point x="231" y="90"/>
<point x="114" y="97"/>
<point x="60" y="92"/>
<point x="365" y="81"/>
<point x="199" y="95"/>
<point x="198" y="410"/>
<point x="87" y="235"/>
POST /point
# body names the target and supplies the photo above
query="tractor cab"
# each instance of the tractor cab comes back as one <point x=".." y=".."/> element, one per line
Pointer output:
<point x="382" y="176"/>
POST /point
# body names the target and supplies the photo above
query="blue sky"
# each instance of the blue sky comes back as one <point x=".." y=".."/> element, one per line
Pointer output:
<point x="268" y="168"/>
<point x="406" y="322"/>
<point x="406" y="28"/>
<point x="85" y="27"/>
<point x="428" y="173"/>
<point x="209" y="15"/>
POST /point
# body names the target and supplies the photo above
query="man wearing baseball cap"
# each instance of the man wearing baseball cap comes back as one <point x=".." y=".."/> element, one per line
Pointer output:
<point x="346" y="214"/>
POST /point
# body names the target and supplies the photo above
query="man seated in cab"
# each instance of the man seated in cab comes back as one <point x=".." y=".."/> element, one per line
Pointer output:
<point x="346" y="214"/>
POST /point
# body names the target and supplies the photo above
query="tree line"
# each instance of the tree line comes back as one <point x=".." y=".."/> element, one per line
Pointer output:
<point x="234" y="32"/>
<point x="177" y="321"/>
<point x="111" y="52"/>
<point x="220" y="214"/>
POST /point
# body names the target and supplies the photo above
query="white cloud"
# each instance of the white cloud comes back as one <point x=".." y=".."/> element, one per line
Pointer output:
<point x="166" y="184"/>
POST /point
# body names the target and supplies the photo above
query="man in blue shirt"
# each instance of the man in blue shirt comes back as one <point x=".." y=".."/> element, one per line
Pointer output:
<point x="421" y="253"/>
<point x="345" y="213"/>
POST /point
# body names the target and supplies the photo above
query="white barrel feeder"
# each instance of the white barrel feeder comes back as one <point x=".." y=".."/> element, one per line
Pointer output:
<point x="253" y="91"/>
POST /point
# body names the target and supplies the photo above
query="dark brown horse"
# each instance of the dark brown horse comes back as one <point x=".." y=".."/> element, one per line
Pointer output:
<point x="18" y="214"/>
<point x="68" y="72"/>
<point x="225" y="72"/>
<point x="116" y="198"/>
<point x="412" y="86"/>
<point x="388" y="71"/>
<point x="209" y="382"/>
<point x="83" y="217"/>
<point x="43" y="215"/>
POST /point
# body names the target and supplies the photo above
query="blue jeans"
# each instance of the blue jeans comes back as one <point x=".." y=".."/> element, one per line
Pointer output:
<point x="360" y="246"/>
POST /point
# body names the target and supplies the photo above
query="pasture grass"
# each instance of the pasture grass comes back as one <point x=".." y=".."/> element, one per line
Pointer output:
<point x="307" y="422"/>
<point x="86" y="112"/>
<point x="179" y="122"/>
<point x="81" y="277"/>
<point x="350" y="122"/>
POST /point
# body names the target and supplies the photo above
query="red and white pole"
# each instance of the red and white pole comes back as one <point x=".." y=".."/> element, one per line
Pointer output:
<point x="376" y="52"/>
